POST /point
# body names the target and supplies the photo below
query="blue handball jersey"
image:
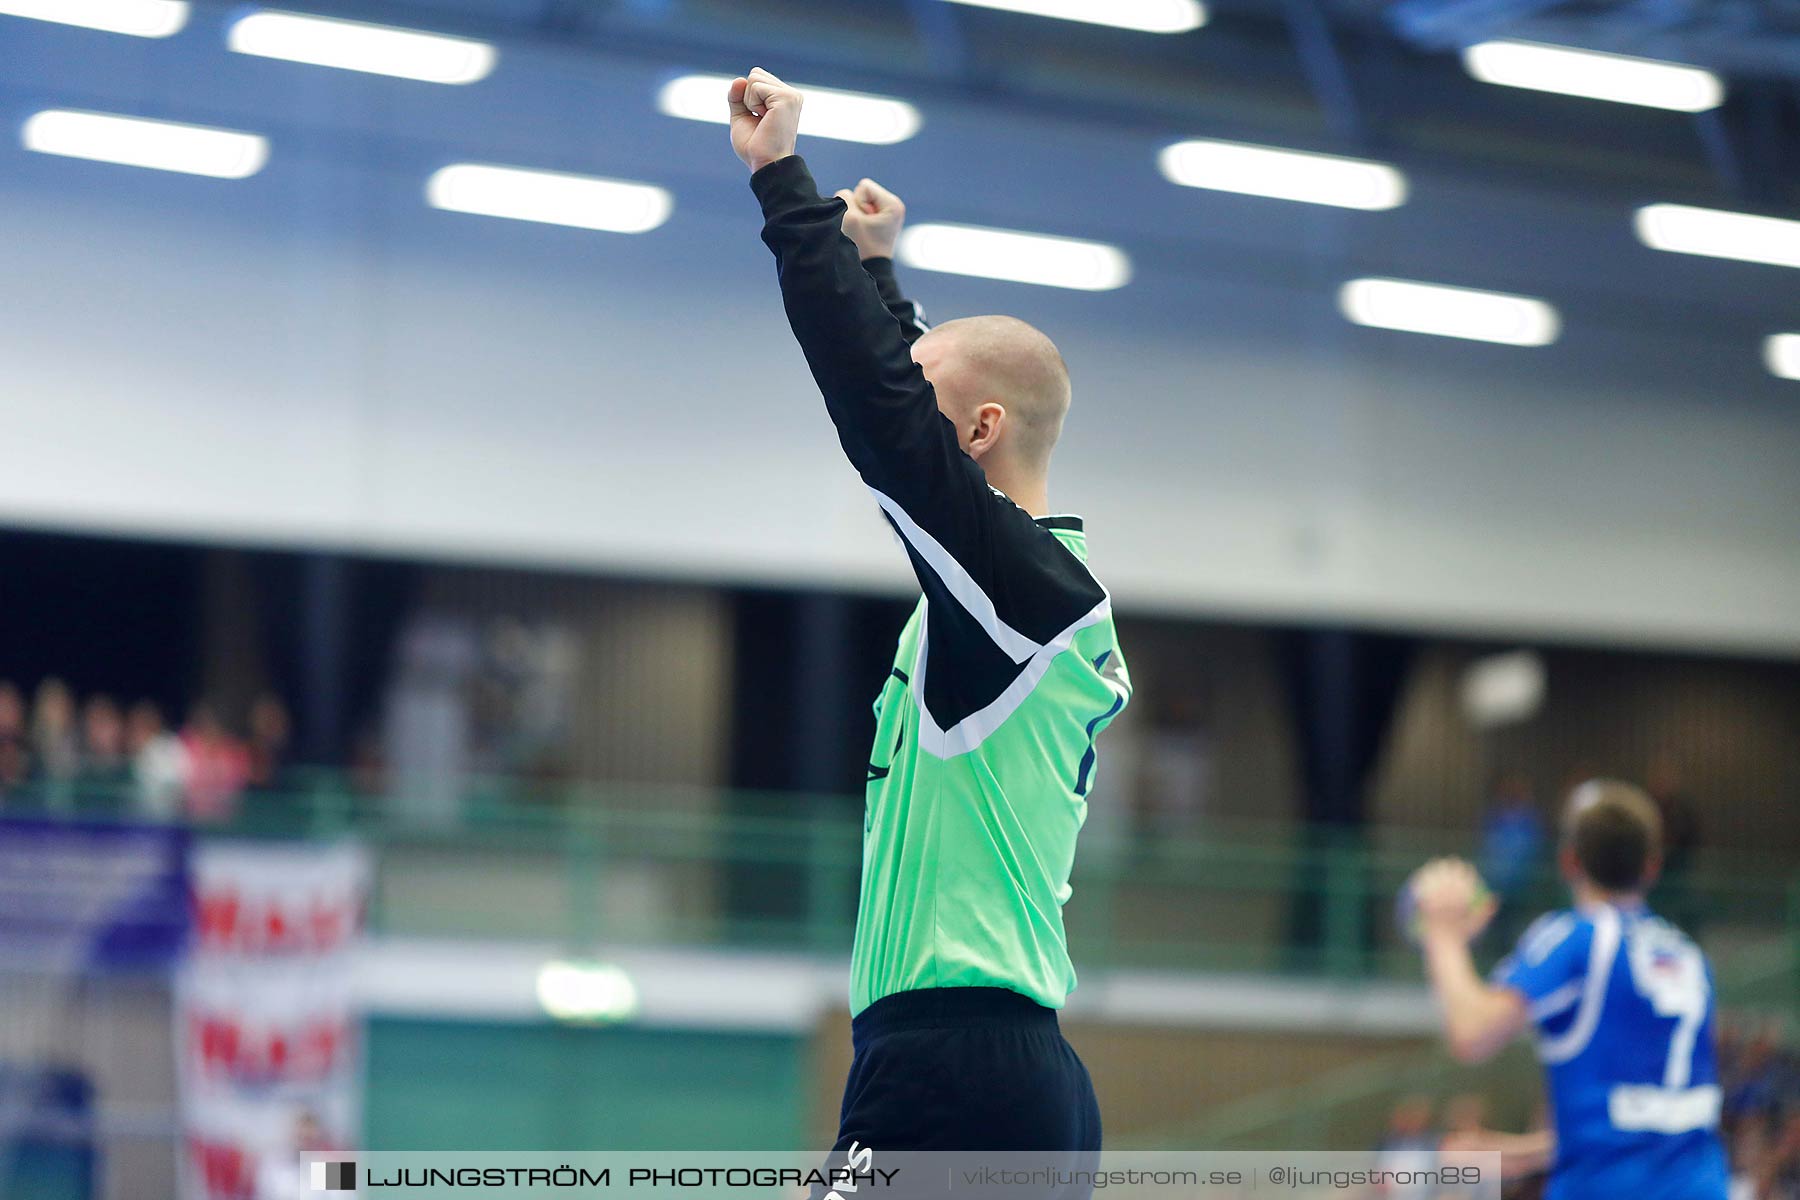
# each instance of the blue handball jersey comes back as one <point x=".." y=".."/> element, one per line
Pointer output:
<point x="1623" y="1006"/>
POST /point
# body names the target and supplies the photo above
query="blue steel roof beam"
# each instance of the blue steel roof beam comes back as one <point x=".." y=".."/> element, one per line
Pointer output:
<point x="1453" y="24"/>
<point x="1721" y="154"/>
<point x="1325" y="71"/>
<point x="1755" y="145"/>
<point x="564" y="16"/>
<point x="940" y="31"/>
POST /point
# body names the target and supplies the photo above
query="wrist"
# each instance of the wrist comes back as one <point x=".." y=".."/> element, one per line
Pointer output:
<point x="757" y="164"/>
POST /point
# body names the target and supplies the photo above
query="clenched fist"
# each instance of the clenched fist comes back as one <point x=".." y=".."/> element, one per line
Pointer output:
<point x="872" y="218"/>
<point x="765" y="118"/>
<point x="1451" y="899"/>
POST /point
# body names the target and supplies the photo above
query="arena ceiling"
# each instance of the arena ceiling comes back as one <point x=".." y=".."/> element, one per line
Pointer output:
<point x="1375" y="76"/>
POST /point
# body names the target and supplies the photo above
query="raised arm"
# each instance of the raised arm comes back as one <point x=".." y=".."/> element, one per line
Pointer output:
<point x="873" y="217"/>
<point x="1479" y="1017"/>
<point x="885" y="411"/>
<point x="1001" y="589"/>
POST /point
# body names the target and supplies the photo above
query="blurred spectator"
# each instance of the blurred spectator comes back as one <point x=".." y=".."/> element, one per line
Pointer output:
<point x="1512" y="850"/>
<point x="1465" y="1114"/>
<point x="158" y="763"/>
<point x="1409" y="1144"/>
<point x="15" y="757"/>
<point x="218" y="766"/>
<point x="1783" y="1169"/>
<point x="12" y="711"/>
<point x="105" y="766"/>
<point x="99" y="756"/>
<point x="1532" y="1185"/>
<point x="1524" y="1157"/>
<point x="55" y="742"/>
<point x="1681" y="826"/>
<point x="15" y="770"/>
<point x="1681" y="841"/>
<point x="1751" y="1162"/>
<point x="270" y="733"/>
<point x="1761" y="1080"/>
<point x="1178" y="767"/>
<point x="368" y="766"/>
<point x="283" y="1174"/>
<point x="429" y="729"/>
<point x="1766" y="1160"/>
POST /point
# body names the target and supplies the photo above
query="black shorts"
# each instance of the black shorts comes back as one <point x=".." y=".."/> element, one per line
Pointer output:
<point x="969" y="1069"/>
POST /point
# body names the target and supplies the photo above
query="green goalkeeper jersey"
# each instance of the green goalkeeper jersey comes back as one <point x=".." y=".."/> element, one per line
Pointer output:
<point x="1005" y="676"/>
<point x="969" y="833"/>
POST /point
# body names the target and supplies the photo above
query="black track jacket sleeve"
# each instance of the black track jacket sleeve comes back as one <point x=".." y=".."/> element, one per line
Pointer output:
<point x="910" y="315"/>
<point x="1000" y="587"/>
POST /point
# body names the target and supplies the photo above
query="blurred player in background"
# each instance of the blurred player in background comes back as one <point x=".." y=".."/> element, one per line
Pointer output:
<point x="284" y="1173"/>
<point x="1005" y="675"/>
<point x="1621" y="1000"/>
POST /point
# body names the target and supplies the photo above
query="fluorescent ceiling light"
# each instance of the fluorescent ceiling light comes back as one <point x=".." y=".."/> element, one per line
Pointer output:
<point x="1449" y="311"/>
<point x="1147" y="16"/>
<point x="1283" y="174"/>
<point x="1019" y="257"/>
<point x="139" y="18"/>
<point x="552" y="197"/>
<point x="355" y="46"/>
<point x="586" y="991"/>
<point x="135" y="142"/>
<point x="1597" y="76"/>
<point x="829" y="113"/>
<point x="1717" y="234"/>
<point x="1782" y="353"/>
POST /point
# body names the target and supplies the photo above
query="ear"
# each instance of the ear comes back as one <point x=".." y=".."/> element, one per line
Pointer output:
<point x="1571" y="869"/>
<point x="986" y="424"/>
<point x="1652" y="872"/>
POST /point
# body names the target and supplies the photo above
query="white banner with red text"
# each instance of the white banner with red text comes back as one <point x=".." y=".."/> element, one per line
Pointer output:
<point x="268" y="1030"/>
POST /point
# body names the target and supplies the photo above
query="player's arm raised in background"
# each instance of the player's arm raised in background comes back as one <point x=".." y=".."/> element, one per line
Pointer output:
<point x="1480" y="1018"/>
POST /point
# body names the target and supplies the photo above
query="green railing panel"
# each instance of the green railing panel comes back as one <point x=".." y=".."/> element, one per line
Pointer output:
<point x="781" y="871"/>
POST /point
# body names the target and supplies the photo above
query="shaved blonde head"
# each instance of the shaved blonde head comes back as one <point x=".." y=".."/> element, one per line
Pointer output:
<point x="979" y="361"/>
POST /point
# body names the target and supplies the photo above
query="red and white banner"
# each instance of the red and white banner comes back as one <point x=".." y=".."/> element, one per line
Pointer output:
<point x="267" y="1027"/>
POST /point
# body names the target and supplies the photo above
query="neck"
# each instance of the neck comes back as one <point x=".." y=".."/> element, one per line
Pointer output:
<point x="1588" y="895"/>
<point x="1030" y="491"/>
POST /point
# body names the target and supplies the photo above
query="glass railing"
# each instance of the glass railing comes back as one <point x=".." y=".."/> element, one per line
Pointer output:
<point x="587" y="866"/>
